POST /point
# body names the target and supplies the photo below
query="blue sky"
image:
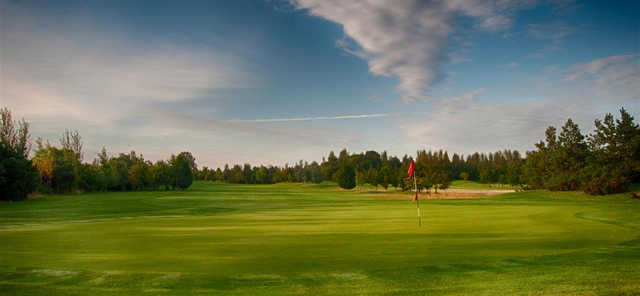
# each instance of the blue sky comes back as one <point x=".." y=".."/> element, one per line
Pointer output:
<point x="271" y="82"/>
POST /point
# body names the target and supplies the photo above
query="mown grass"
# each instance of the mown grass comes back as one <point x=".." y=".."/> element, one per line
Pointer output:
<point x="292" y="239"/>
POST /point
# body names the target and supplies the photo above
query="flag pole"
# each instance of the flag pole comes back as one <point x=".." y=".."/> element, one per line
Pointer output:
<point x="415" y="187"/>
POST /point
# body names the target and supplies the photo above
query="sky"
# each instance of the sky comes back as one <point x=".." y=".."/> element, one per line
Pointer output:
<point x="274" y="82"/>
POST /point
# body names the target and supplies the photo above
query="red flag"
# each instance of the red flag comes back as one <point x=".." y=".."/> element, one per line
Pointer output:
<point x="415" y="197"/>
<point x="411" y="169"/>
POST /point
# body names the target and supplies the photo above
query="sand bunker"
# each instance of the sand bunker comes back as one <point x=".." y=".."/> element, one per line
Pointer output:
<point x="447" y="194"/>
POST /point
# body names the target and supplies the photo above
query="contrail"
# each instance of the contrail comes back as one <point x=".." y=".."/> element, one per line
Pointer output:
<point x="357" y="116"/>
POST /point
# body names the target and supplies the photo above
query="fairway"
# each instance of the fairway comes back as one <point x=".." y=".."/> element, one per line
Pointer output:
<point x="293" y="239"/>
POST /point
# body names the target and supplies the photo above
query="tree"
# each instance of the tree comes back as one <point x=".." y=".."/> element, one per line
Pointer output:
<point x="604" y="179"/>
<point x="535" y="168"/>
<point x="422" y="182"/>
<point x="55" y="168"/>
<point x="71" y="145"/>
<point x="441" y="181"/>
<point x="384" y="176"/>
<point x="91" y="178"/>
<point x="570" y="158"/>
<point x="346" y="177"/>
<point x="237" y="175"/>
<point x="558" y="162"/>
<point x="14" y="134"/>
<point x="18" y="176"/>
<point x="247" y="174"/>
<point x="73" y="142"/>
<point x="120" y="172"/>
<point x="262" y="176"/>
<point x="182" y="168"/>
<point x="628" y="134"/>
<point x="360" y="178"/>
<point x="343" y="157"/>
<point x="329" y="167"/>
<point x="614" y="159"/>
<point x="161" y="175"/>
<point x="372" y="160"/>
<point x="139" y="176"/>
<point x="393" y="178"/>
<point x="219" y="175"/>
<point x="188" y="157"/>
<point x="372" y="177"/>
<point x="316" y="172"/>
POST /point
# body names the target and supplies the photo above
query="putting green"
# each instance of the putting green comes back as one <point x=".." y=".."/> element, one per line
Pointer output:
<point x="292" y="239"/>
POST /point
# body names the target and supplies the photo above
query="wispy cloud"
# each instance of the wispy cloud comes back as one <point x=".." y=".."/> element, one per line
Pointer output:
<point x="467" y="123"/>
<point x="456" y="58"/>
<point x="485" y="126"/>
<point x="90" y="76"/>
<point x="596" y="66"/>
<point x="614" y="77"/>
<point x="339" y="117"/>
<point x="407" y="39"/>
<point x="94" y="72"/>
<point x="555" y="32"/>
<point x="472" y="125"/>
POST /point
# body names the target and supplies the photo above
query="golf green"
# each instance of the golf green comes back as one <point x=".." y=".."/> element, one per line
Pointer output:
<point x="292" y="239"/>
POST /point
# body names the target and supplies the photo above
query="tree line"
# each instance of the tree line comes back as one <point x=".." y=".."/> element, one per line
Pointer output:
<point x="602" y="162"/>
<point x="433" y="170"/>
<point x="61" y="169"/>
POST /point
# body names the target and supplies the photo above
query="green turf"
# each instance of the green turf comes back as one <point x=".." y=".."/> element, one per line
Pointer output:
<point x="292" y="239"/>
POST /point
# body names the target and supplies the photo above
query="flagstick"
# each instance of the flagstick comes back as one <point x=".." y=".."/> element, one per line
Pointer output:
<point x="415" y="186"/>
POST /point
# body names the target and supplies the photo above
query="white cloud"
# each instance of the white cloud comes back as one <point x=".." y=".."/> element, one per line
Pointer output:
<point x="128" y="94"/>
<point x="553" y="31"/>
<point x="614" y="77"/>
<point x="216" y="142"/>
<point x="596" y="66"/>
<point x="339" y="117"/>
<point x="91" y="70"/>
<point x="456" y="58"/>
<point x="475" y="125"/>
<point x="464" y="99"/>
<point x="407" y="39"/>
<point x="466" y="123"/>
<point x="103" y="82"/>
